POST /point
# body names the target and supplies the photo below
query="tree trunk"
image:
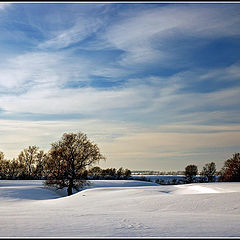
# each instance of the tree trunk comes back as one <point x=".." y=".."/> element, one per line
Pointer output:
<point x="70" y="186"/>
<point x="69" y="190"/>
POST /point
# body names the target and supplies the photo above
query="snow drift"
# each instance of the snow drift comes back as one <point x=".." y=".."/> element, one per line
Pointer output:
<point x="120" y="208"/>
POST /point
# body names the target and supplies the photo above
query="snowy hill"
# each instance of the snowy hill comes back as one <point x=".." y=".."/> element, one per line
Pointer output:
<point x="120" y="208"/>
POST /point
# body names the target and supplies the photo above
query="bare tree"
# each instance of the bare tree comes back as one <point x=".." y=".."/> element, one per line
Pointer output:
<point x="95" y="172"/>
<point x="120" y="173"/>
<point x="109" y="173"/>
<point x="40" y="163"/>
<point x="1" y="156"/>
<point x="231" y="169"/>
<point x="27" y="159"/>
<point x="1" y="164"/>
<point x="190" y="172"/>
<point x="127" y="173"/>
<point x="68" y="159"/>
<point x="14" y="168"/>
<point x="8" y="168"/>
<point x="209" y="171"/>
<point x="4" y="166"/>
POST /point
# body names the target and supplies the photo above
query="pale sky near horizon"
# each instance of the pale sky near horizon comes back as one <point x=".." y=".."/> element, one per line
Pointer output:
<point x="155" y="85"/>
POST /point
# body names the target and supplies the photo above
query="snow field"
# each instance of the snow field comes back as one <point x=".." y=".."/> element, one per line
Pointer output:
<point x="120" y="208"/>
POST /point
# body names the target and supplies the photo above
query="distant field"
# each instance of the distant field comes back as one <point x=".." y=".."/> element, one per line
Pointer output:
<point x="154" y="177"/>
<point x="165" y="179"/>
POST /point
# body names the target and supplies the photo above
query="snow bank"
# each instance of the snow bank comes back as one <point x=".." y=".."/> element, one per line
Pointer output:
<point x="120" y="208"/>
<point x="202" y="188"/>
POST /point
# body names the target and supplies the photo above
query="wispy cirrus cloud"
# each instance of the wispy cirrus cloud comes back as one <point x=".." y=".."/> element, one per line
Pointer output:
<point x="148" y="35"/>
<point x="27" y="70"/>
<point x="229" y="73"/>
<point x="80" y="31"/>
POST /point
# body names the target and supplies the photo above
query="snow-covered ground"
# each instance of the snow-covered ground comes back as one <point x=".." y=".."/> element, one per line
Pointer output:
<point x="120" y="208"/>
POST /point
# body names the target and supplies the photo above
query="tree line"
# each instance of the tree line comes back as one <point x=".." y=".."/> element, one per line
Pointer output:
<point x="30" y="164"/>
<point x="34" y="166"/>
<point x="69" y="163"/>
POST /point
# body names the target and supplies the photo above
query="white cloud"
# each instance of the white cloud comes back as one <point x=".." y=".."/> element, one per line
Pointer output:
<point x="71" y="101"/>
<point x="83" y="27"/>
<point x="144" y="35"/>
<point x="224" y="74"/>
<point x="42" y="70"/>
<point x="30" y="68"/>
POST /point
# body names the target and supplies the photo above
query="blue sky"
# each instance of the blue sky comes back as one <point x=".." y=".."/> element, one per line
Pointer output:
<point x="156" y="86"/>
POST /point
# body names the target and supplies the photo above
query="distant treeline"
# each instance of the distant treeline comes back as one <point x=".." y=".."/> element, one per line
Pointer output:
<point x="230" y="172"/>
<point x="108" y="173"/>
<point x="150" y="172"/>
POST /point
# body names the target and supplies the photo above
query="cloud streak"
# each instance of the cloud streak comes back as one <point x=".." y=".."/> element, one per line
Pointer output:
<point x="144" y="37"/>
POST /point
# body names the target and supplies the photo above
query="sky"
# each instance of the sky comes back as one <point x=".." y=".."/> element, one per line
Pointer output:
<point x="155" y="85"/>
